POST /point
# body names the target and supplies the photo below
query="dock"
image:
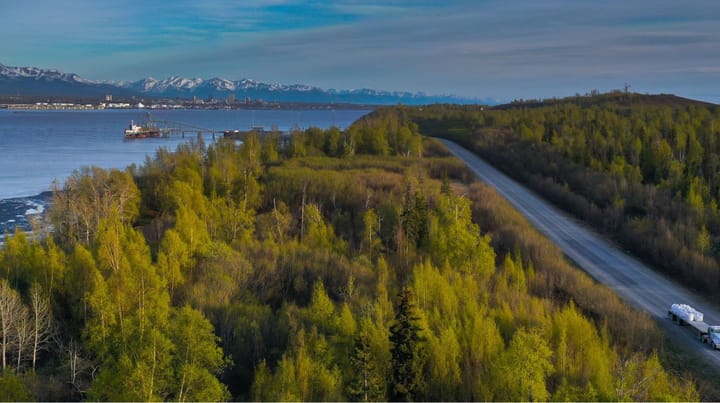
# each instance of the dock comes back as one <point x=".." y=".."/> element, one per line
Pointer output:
<point x="168" y="128"/>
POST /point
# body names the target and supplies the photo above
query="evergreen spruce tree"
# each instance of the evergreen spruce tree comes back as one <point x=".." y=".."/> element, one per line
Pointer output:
<point x="366" y="384"/>
<point x="415" y="218"/>
<point x="408" y="352"/>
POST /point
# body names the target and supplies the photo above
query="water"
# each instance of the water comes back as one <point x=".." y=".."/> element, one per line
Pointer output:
<point x="39" y="147"/>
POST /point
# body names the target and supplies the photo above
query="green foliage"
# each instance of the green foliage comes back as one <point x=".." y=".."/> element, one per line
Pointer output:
<point x="198" y="359"/>
<point x="524" y="367"/>
<point x="415" y="219"/>
<point x="90" y="195"/>
<point x="456" y="240"/>
<point x="366" y="383"/>
<point x="12" y="389"/>
<point x="321" y="309"/>
<point x="408" y="352"/>
<point x="303" y="374"/>
<point x="268" y="267"/>
<point x="641" y="168"/>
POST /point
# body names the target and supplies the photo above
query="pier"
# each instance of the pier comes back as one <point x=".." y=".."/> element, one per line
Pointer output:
<point x="166" y="128"/>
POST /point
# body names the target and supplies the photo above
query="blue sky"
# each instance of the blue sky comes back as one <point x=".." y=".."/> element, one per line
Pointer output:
<point x="477" y="48"/>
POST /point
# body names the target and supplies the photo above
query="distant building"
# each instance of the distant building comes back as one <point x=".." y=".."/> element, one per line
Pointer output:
<point x="231" y="98"/>
<point x="108" y="97"/>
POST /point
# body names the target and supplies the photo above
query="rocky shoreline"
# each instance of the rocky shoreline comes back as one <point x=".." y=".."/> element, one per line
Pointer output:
<point x="17" y="212"/>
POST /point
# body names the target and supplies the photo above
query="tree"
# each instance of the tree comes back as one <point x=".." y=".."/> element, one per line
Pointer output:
<point x="262" y="383"/>
<point x="371" y="239"/>
<point x="456" y="239"/>
<point x="16" y="255"/>
<point x="444" y="355"/>
<point x="524" y="367"/>
<point x="141" y="370"/>
<point x="197" y="358"/>
<point x="333" y="142"/>
<point x="414" y="218"/>
<point x="42" y="325"/>
<point x="23" y="334"/>
<point x="78" y="283"/>
<point x="297" y="144"/>
<point x="270" y="145"/>
<point x="365" y="383"/>
<point x="12" y="388"/>
<point x="174" y="260"/>
<point x="11" y="313"/>
<point x="321" y="309"/>
<point x="88" y="196"/>
<point x="408" y="351"/>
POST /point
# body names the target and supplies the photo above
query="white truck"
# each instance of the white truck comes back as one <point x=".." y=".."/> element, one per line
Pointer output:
<point x="686" y="315"/>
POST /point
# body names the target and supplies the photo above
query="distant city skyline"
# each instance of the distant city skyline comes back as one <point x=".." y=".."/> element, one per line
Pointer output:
<point x="477" y="48"/>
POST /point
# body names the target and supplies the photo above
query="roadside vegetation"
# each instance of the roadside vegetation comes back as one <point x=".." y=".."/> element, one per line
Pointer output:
<point x="362" y="265"/>
<point x="643" y="169"/>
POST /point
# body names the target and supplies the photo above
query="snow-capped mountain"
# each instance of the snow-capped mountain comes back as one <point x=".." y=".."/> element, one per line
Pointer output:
<point x="151" y="85"/>
<point x="39" y="74"/>
<point x="33" y="81"/>
<point x="41" y="82"/>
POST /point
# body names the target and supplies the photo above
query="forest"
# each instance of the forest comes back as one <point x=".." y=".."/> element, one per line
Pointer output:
<point x="643" y="169"/>
<point x="364" y="265"/>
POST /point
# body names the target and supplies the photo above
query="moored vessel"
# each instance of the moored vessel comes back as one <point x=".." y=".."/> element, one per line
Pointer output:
<point x="135" y="131"/>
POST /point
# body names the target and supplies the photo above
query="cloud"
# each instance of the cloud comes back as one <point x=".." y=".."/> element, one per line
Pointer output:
<point x="503" y="49"/>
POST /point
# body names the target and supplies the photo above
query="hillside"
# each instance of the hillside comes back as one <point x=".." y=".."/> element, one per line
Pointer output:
<point x="642" y="169"/>
<point x="617" y="98"/>
<point x="359" y="265"/>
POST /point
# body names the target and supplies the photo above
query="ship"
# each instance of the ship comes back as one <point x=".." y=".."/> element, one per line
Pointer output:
<point x="135" y="131"/>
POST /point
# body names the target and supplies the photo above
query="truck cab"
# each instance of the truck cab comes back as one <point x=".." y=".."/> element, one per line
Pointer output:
<point x="714" y="337"/>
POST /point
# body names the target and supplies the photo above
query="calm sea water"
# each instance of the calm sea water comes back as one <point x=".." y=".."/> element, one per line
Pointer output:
<point x="38" y="147"/>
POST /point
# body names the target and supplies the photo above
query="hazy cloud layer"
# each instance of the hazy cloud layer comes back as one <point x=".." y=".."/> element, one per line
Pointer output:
<point x="480" y="48"/>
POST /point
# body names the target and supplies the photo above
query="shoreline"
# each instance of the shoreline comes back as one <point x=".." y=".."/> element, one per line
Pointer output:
<point x="16" y="212"/>
<point x="45" y="194"/>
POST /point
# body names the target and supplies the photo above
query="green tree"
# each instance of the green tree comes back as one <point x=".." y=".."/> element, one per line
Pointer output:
<point x="455" y="239"/>
<point x="12" y="389"/>
<point x="407" y="382"/>
<point x="371" y="236"/>
<point x="523" y="368"/>
<point x="444" y="356"/>
<point x="174" y="260"/>
<point x="260" y="391"/>
<point x="270" y="145"/>
<point x="88" y="196"/>
<point x="321" y="310"/>
<point x="415" y="218"/>
<point x="198" y="359"/>
<point x="333" y="142"/>
<point x="365" y="383"/>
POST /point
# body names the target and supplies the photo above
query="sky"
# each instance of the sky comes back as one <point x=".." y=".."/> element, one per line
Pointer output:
<point x="498" y="49"/>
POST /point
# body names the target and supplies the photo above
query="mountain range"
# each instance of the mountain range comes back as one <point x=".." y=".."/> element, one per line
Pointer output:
<point x="33" y="81"/>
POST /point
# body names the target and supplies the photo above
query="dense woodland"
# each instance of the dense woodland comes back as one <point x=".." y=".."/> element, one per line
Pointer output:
<point x="643" y="169"/>
<point x="363" y="264"/>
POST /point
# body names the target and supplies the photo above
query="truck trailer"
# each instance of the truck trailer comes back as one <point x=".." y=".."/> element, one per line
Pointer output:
<point x="685" y="315"/>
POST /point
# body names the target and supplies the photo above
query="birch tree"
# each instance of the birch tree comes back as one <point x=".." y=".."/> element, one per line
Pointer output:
<point x="42" y="325"/>
<point x="11" y="311"/>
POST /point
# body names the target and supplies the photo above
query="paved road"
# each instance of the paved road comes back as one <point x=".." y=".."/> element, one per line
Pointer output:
<point x="632" y="280"/>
